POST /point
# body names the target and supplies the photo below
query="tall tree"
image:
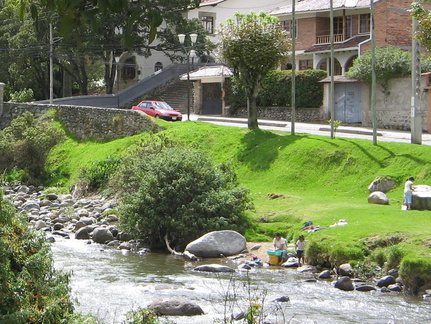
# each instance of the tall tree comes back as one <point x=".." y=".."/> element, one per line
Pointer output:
<point x="423" y="17"/>
<point x="253" y="44"/>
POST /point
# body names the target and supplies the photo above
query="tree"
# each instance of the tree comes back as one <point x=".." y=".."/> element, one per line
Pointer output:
<point x="423" y="16"/>
<point x="31" y="290"/>
<point x="391" y="62"/>
<point x="253" y="44"/>
<point x="168" y="189"/>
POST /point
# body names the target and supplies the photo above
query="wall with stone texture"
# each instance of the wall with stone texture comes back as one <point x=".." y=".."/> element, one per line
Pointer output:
<point x="393" y="105"/>
<point x="86" y="122"/>
<point x="303" y="115"/>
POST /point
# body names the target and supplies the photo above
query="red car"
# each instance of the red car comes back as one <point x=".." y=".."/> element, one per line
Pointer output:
<point x="159" y="109"/>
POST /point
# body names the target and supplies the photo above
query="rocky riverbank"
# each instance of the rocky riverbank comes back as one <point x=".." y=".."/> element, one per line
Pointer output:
<point x="93" y="219"/>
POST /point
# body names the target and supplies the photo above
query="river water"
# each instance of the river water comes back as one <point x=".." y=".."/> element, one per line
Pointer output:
<point x="109" y="283"/>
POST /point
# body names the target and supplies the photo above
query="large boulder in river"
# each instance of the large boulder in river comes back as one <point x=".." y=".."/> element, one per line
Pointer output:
<point x="175" y="307"/>
<point x="102" y="235"/>
<point x="217" y="244"/>
<point x="344" y="283"/>
<point x="421" y="197"/>
<point x="378" y="197"/>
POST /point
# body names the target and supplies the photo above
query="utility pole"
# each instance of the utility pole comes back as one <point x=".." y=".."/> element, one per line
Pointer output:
<point x="331" y="69"/>
<point x="373" y="74"/>
<point x="416" y="120"/>
<point x="51" y="68"/>
<point x="293" y="95"/>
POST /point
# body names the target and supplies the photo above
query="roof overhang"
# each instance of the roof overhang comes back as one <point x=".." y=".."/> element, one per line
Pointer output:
<point x="209" y="74"/>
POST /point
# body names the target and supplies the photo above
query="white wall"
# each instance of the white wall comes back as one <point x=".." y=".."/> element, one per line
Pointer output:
<point x="222" y="12"/>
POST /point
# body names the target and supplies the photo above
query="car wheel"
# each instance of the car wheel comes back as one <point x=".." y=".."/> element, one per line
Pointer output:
<point x="157" y="116"/>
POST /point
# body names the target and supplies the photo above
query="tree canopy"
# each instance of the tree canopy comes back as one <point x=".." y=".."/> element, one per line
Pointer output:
<point x="253" y="44"/>
<point x="391" y="62"/>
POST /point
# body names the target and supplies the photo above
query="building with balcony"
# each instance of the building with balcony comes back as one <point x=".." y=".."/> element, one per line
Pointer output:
<point x="351" y="30"/>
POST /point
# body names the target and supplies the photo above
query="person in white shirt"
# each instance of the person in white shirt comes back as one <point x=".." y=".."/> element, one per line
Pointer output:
<point x="300" y="248"/>
<point x="280" y="243"/>
<point x="408" y="192"/>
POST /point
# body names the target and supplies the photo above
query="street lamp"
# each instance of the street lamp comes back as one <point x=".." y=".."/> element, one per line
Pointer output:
<point x="191" y="53"/>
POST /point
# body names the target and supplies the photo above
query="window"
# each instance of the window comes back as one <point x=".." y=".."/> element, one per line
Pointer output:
<point x="208" y="23"/>
<point x="338" y="25"/>
<point x="287" y="26"/>
<point x="305" y="64"/>
<point x="364" y="23"/>
<point x="158" y="66"/>
<point x="129" y="69"/>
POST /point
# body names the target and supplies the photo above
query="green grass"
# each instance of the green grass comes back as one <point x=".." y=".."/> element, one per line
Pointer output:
<point x="316" y="179"/>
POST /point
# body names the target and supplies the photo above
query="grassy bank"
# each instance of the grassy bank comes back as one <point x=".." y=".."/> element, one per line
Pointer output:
<point x="295" y="179"/>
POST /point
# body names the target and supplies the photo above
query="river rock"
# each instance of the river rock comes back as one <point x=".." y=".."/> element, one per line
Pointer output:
<point x="365" y="287"/>
<point x="217" y="244"/>
<point x="175" y="307"/>
<point x="102" y="235"/>
<point x="382" y="184"/>
<point x="378" y="197"/>
<point x="40" y="224"/>
<point x="386" y="281"/>
<point x="82" y="234"/>
<point x="395" y="287"/>
<point x="344" y="283"/>
<point x="290" y="262"/>
<point x="214" y="268"/>
<point x="421" y="197"/>
<point x="51" y="196"/>
<point x="306" y="268"/>
<point x="345" y="270"/>
<point x="325" y="274"/>
<point x="29" y="205"/>
<point x="58" y="226"/>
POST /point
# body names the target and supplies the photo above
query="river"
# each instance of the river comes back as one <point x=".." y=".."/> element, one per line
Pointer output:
<point x="108" y="283"/>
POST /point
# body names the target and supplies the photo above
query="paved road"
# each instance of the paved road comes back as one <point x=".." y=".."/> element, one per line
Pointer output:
<point x="319" y="129"/>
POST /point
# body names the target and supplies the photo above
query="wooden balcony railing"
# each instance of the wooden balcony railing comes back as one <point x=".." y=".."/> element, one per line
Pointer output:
<point x="326" y="39"/>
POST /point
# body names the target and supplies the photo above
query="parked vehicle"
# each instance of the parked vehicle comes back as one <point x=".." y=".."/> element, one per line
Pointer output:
<point x="159" y="109"/>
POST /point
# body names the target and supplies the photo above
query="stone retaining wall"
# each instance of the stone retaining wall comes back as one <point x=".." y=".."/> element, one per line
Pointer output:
<point x="86" y="122"/>
<point x="303" y="115"/>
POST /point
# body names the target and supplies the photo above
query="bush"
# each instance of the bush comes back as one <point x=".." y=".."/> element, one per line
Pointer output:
<point x="24" y="95"/>
<point x="276" y="90"/>
<point x="31" y="291"/>
<point x="26" y="143"/>
<point x="326" y="254"/>
<point x="98" y="174"/>
<point x="166" y="189"/>
<point x="415" y="273"/>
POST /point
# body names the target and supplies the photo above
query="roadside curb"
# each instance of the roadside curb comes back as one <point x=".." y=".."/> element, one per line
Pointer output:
<point x="350" y="131"/>
<point x="242" y="121"/>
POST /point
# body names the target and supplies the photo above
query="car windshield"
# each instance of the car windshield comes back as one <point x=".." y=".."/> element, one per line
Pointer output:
<point x="162" y="105"/>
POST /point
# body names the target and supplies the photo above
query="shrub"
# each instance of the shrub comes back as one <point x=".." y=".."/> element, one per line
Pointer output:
<point x="31" y="291"/>
<point x="415" y="273"/>
<point x="26" y="144"/>
<point x="394" y="254"/>
<point x="98" y="174"/>
<point x="327" y="254"/>
<point x="24" y="95"/>
<point x="276" y="90"/>
<point x="175" y="191"/>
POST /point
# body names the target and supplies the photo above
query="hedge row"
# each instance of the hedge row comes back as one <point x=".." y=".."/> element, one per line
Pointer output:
<point x="276" y="90"/>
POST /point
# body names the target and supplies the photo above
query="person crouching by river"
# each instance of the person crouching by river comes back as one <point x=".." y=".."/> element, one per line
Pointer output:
<point x="300" y="248"/>
<point x="408" y="193"/>
<point x="280" y="244"/>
